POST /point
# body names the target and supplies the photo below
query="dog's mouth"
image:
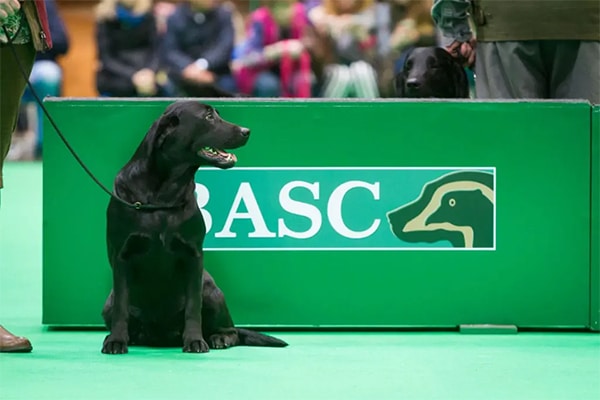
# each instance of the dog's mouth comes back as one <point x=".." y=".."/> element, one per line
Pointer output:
<point x="218" y="157"/>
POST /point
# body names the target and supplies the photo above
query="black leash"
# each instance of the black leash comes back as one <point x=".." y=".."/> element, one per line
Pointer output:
<point x="137" y="205"/>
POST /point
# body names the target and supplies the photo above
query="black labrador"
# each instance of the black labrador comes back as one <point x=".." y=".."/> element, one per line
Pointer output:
<point x="431" y="72"/>
<point x="162" y="295"/>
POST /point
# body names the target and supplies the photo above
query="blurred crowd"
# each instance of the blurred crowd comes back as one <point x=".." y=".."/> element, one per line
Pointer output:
<point x="203" y="48"/>
<point x="282" y="48"/>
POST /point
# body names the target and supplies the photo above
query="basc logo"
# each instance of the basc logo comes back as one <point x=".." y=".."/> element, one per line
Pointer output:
<point x="348" y="208"/>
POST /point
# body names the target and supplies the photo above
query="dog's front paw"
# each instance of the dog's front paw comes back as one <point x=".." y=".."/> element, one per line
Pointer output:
<point x="114" y="345"/>
<point x="195" y="346"/>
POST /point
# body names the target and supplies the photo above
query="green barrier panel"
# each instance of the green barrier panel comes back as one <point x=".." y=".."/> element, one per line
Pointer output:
<point x="595" y="219"/>
<point x="352" y="214"/>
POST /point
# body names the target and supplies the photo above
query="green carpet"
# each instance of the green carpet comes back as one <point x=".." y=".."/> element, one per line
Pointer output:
<point x="69" y="365"/>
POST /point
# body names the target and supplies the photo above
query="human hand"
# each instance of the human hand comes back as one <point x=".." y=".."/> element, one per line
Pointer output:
<point x="8" y="8"/>
<point x="196" y="74"/>
<point x="464" y="51"/>
<point x="205" y="76"/>
<point x="292" y="47"/>
<point x="189" y="72"/>
<point x="145" y="82"/>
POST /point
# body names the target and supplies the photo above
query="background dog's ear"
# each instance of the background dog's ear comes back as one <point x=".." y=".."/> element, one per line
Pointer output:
<point x="399" y="79"/>
<point x="461" y="83"/>
<point x="399" y="84"/>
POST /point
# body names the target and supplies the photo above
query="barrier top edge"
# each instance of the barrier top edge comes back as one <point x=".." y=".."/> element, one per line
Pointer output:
<point x="296" y="101"/>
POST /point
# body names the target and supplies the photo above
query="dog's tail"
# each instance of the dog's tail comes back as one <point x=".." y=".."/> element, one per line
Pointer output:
<point x="253" y="338"/>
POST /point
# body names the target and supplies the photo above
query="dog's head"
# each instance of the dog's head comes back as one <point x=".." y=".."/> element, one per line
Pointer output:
<point x="192" y="133"/>
<point x="431" y="72"/>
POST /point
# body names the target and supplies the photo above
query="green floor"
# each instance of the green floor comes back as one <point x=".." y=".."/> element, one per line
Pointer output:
<point x="69" y="365"/>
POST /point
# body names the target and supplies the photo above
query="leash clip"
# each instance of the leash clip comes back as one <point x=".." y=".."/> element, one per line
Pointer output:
<point x="137" y="205"/>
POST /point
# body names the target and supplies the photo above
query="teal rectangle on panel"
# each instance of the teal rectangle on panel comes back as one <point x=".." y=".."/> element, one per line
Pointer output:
<point x="348" y="208"/>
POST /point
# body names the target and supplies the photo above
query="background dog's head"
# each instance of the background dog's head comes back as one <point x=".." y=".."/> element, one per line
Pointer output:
<point x="193" y="133"/>
<point x="431" y="72"/>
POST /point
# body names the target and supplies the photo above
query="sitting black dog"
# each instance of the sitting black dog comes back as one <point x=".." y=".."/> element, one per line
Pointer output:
<point x="162" y="295"/>
<point x="431" y="72"/>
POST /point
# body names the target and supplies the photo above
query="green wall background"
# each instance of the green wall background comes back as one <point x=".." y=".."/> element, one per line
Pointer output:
<point x="539" y="276"/>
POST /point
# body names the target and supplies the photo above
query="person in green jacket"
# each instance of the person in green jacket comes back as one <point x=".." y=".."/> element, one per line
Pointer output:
<point x="544" y="49"/>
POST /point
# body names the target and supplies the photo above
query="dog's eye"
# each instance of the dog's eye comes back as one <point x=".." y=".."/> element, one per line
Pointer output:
<point x="408" y="65"/>
<point x="452" y="202"/>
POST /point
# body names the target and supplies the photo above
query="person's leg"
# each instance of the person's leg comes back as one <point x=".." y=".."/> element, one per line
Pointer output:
<point x="12" y="85"/>
<point x="338" y="83"/>
<point x="364" y="78"/>
<point x="46" y="79"/>
<point x="510" y="70"/>
<point x="576" y="71"/>
<point x="267" y="84"/>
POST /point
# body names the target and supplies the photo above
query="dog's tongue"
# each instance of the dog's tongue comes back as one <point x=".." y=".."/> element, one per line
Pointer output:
<point x="226" y="156"/>
<point x="217" y="155"/>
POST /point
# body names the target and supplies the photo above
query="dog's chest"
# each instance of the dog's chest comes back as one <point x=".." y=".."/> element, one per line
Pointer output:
<point x="160" y="245"/>
<point x="174" y="234"/>
<point x="164" y="265"/>
<point x="170" y="246"/>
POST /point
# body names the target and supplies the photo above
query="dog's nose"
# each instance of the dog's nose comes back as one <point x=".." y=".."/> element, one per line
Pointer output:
<point x="413" y="83"/>
<point x="245" y="131"/>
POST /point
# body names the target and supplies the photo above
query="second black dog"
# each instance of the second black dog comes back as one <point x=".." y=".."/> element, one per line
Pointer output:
<point x="431" y="72"/>
<point x="162" y="295"/>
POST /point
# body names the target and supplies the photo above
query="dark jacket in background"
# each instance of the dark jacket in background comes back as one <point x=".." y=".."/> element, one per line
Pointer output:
<point x="193" y="35"/>
<point x="123" y="50"/>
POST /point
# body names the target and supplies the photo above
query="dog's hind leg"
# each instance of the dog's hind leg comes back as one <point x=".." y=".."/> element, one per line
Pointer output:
<point x="219" y="327"/>
<point x="217" y="322"/>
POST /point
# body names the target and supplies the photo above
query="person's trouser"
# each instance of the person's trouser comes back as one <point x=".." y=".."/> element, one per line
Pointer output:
<point x="12" y="86"/>
<point x="46" y="79"/>
<point x="359" y="79"/>
<point x="546" y="69"/>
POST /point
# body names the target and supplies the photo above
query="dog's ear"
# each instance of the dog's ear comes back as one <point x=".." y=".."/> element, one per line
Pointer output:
<point x="166" y="123"/>
<point x="170" y="121"/>
<point x="399" y="84"/>
<point x="399" y="78"/>
<point x="461" y="83"/>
